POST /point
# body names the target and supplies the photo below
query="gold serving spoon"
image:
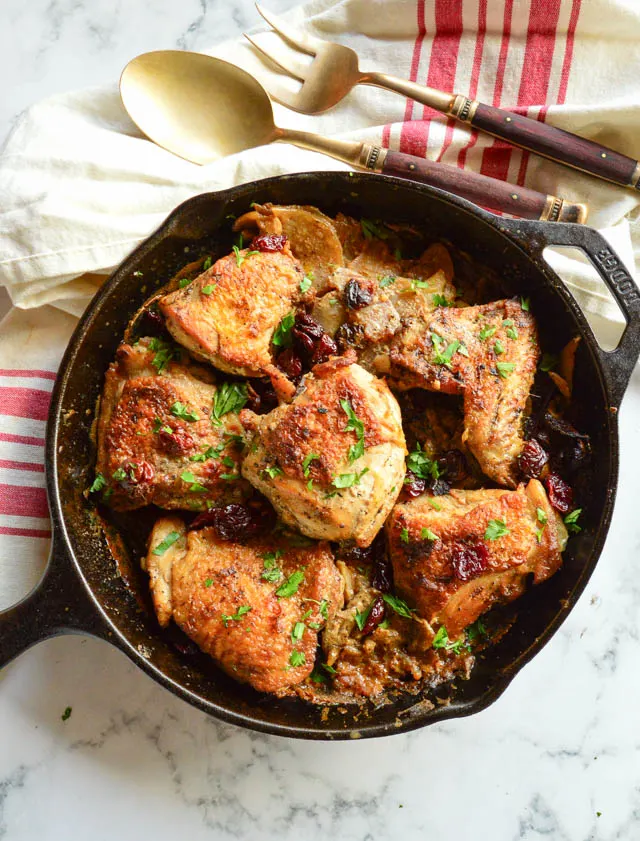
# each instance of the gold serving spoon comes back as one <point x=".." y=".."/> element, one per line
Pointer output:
<point x="203" y="109"/>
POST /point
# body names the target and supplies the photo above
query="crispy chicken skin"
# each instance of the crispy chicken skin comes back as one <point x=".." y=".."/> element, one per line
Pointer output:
<point x="167" y="543"/>
<point x="213" y="582"/>
<point x="493" y="367"/>
<point x="443" y="577"/>
<point x="299" y="451"/>
<point x="311" y="235"/>
<point x="227" y="316"/>
<point x="144" y="447"/>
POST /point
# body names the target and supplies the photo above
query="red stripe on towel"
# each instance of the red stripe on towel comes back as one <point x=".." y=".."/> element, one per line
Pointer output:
<point x="24" y="532"/>
<point x="23" y="501"/>
<point x="17" y="372"/>
<point x="21" y="465"/>
<point x="25" y="402"/>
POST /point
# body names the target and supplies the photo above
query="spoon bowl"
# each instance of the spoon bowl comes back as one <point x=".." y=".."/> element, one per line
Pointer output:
<point x="196" y="106"/>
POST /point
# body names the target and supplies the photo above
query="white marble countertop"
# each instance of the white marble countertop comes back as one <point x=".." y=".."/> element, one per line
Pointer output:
<point x="557" y="757"/>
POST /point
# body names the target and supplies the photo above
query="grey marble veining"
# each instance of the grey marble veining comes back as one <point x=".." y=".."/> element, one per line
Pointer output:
<point x="557" y="757"/>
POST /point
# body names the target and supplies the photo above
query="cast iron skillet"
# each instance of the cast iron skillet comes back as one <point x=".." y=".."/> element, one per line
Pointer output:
<point x="82" y="590"/>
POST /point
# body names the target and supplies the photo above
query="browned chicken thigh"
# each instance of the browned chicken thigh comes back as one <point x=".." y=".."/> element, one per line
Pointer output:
<point x="488" y="354"/>
<point x="457" y="555"/>
<point x="156" y="442"/>
<point x="331" y="462"/>
<point x="228" y="315"/>
<point x="255" y="608"/>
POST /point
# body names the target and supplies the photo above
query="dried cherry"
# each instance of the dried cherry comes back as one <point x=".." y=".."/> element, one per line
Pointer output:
<point x="375" y="617"/>
<point x="177" y="442"/>
<point x="469" y="560"/>
<point x="559" y="492"/>
<point x="355" y="297"/>
<point x="289" y="362"/>
<point x="234" y="522"/>
<point x="268" y="242"/>
<point x="413" y="485"/>
<point x="532" y="459"/>
<point x="453" y="465"/>
<point x="325" y="348"/>
<point x="261" y="396"/>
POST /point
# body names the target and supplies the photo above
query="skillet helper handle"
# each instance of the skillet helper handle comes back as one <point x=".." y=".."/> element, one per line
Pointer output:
<point x="553" y="143"/>
<point x="58" y="604"/>
<point x="618" y="364"/>
<point x="480" y="189"/>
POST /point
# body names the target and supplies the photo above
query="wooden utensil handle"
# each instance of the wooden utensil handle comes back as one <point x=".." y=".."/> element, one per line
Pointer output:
<point x="550" y="142"/>
<point x="485" y="191"/>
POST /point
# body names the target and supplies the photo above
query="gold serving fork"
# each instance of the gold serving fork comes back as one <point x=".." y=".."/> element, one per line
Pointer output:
<point x="335" y="71"/>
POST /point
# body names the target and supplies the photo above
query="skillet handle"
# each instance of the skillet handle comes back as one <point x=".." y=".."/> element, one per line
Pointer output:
<point x="617" y="364"/>
<point x="58" y="604"/>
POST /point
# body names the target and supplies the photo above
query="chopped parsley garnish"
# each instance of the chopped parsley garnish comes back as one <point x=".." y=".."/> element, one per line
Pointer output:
<point x="240" y="258"/>
<point x="329" y="669"/>
<point x="487" y="332"/>
<point x="306" y="464"/>
<point x="496" y="529"/>
<point x="434" y="504"/>
<point x="372" y="229"/>
<point x="230" y="397"/>
<point x="229" y="477"/>
<point x="297" y="632"/>
<point x="361" y="617"/>
<point x="419" y="463"/>
<point x="119" y="474"/>
<point x="507" y="322"/>
<point x="348" y="480"/>
<point x="571" y="521"/>
<point x="195" y="486"/>
<point x="98" y="484"/>
<point x="404" y="535"/>
<point x="160" y="426"/>
<point x="306" y="283"/>
<point x="505" y="368"/>
<point x="66" y="715"/>
<point x="208" y="262"/>
<point x="290" y="586"/>
<point x="387" y="280"/>
<point x="441" y="301"/>
<point x="324" y="609"/>
<point x="317" y="676"/>
<point x="443" y="357"/>
<point x="181" y="411"/>
<point x="548" y="362"/>
<point x="282" y="336"/>
<point x="441" y="640"/>
<point x="541" y="515"/>
<point x="208" y="289"/>
<point x="164" y="353"/>
<point x="419" y="284"/>
<point x="512" y="333"/>
<point x="398" y="605"/>
<point x="297" y="659"/>
<point x="498" y="348"/>
<point x="272" y="571"/>
<point x="272" y="472"/>
<point x="240" y="612"/>
<point x="208" y="582"/>
<point x="525" y="303"/>
<point x="210" y="452"/>
<point x="354" y="424"/>
<point x="477" y="630"/>
<point x="427" y="534"/>
<point x="184" y="281"/>
<point x="169" y="540"/>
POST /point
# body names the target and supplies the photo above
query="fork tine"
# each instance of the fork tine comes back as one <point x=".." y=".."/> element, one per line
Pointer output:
<point x="287" y="64"/>
<point x="301" y="40"/>
<point x="280" y="94"/>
